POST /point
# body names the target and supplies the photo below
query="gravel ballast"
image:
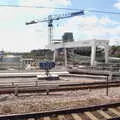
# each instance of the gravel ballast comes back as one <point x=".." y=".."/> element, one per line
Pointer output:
<point x="37" y="102"/>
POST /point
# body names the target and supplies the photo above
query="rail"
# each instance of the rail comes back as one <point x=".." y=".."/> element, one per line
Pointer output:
<point x="47" y="88"/>
<point x="87" y="111"/>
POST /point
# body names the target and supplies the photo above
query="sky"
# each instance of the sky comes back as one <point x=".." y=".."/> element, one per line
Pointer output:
<point x="15" y="36"/>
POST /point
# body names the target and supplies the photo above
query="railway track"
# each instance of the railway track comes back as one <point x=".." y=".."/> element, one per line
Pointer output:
<point x="99" y="112"/>
<point x="56" y="87"/>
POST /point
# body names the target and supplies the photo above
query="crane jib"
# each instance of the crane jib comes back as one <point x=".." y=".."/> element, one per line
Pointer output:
<point x="77" y="13"/>
<point x="57" y="17"/>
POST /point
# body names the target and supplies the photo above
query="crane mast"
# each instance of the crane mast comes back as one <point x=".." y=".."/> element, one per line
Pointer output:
<point x="50" y="29"/>
<point x="50" y="20"/>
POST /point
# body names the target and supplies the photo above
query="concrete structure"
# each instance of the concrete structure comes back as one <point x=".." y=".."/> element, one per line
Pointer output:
<point x="86" y="43"/>
<point x="27" y="61"/>
<point x="10" y="62"/>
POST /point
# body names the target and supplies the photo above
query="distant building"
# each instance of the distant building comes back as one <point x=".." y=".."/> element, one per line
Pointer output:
<point x="11" y="59"/>
<point x="68" y="37"/>
<point x="1" y="55"/>
<point x="10" y="62"/>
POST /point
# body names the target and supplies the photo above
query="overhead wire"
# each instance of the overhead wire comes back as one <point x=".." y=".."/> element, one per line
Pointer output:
<point x="24" y="6"/>
<point x="100" y="11"/>
<point x="62" y="8"/>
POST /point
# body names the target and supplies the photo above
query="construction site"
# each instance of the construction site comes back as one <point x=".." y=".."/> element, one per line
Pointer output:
<point x="67" y="85"/>
<point x="67" y="80"/>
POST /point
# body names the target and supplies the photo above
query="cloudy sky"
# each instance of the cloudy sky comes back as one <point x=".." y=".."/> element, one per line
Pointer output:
<point x="15" y="36"/>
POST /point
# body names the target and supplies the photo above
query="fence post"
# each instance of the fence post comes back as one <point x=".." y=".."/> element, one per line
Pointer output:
<point x="36" y="83"/>
<point x="107" y="85"/>
<point x="16" y="90"/>
<point x="109" y="79"/>
<point x="47" y="91"/>
<point x="110" y="76"/>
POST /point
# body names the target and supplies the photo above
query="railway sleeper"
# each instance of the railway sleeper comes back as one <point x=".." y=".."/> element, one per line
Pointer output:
<point x="103" y="113"/>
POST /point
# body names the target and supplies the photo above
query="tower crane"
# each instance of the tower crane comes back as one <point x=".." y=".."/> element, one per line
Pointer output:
<point x="50" y="20"/>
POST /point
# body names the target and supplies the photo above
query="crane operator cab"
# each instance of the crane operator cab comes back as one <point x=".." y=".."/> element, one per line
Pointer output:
<point x="47" y="66"/>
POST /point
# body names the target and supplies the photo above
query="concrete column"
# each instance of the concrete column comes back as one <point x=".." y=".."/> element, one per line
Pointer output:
<point x="93" y="54"/>
<point x="65" y="55"/>
<point x="106" y="54"/>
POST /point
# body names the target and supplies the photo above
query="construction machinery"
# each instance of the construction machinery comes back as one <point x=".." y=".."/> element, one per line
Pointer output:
<point x="50" y="20"/>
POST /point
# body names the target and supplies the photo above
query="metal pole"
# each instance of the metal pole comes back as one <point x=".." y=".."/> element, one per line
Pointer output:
<point x="109" y="79"/>
<point x="107" y="85"/>
<point x="65" y="55"/>
<point x="54" y="55"/>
